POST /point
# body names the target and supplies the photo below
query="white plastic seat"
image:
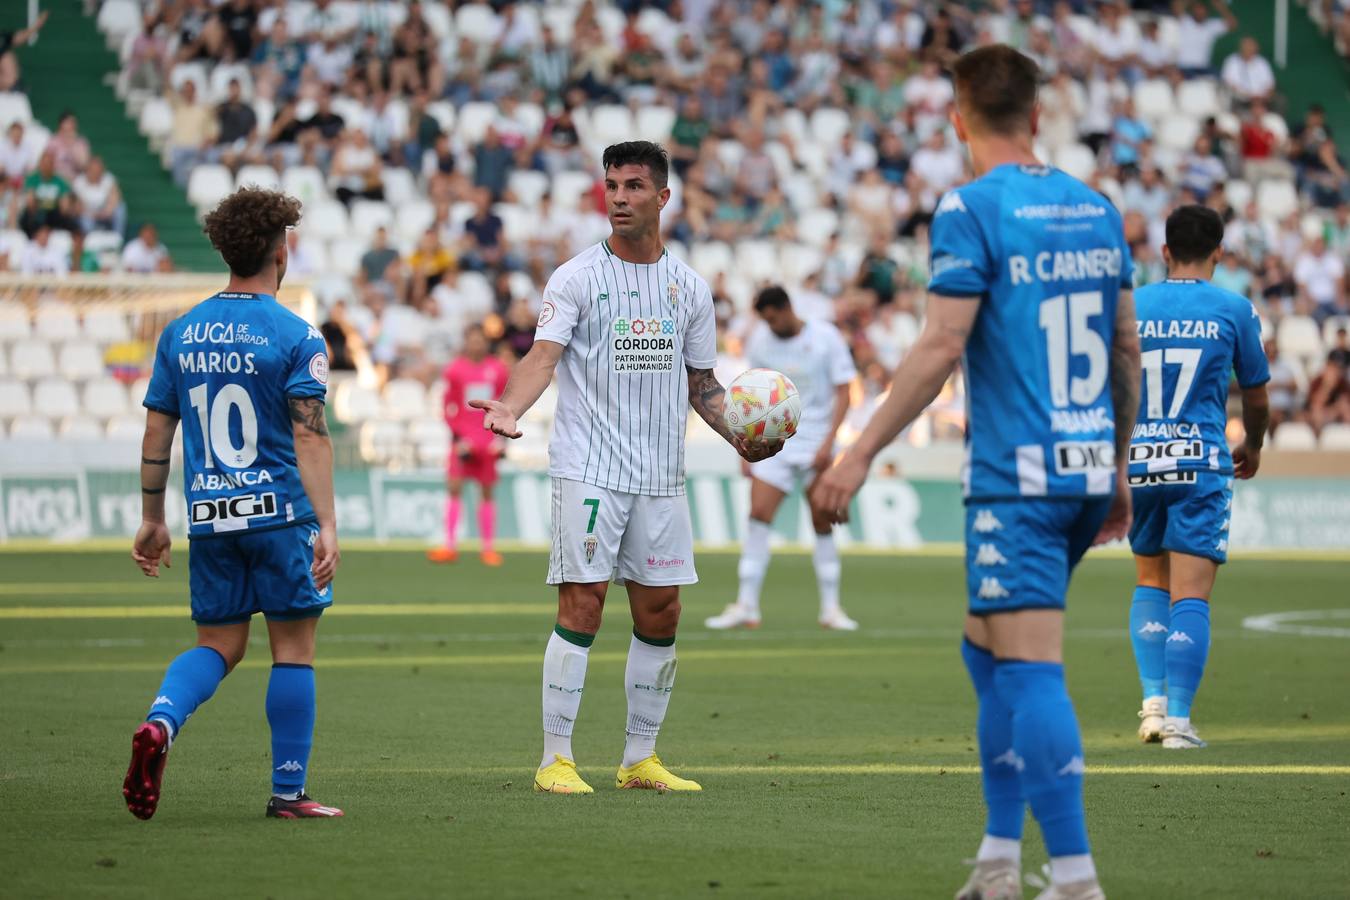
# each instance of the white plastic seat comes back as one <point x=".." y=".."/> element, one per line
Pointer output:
<point x="326" y="220"/>
<point x="431" y="437"/>
<point x="610" y="123"/>
<point x="1276" y="125"/>
<point x="103" y="241"/>
<point x="1239" y="193"/>
<point x="1332" y="325"/>
<point x="195" y="72"/>
<point x="105" y="398"/>
<point x="80" y="360"/>
<point x="55" y="398"/>
<point x="517" y="222"/>
<point x="1153" y="99"/>
<point x="14" y="107"/>
<point x="156" y="119"/>
<point x="32" y="359"/>
<point x="1299" y="337"/>
<point x="478" y="22"/>
<point x="1276" y="198"/>
<point x="1178" y="132"/>
<point x="474" y="120"/>
<point x="208" y="185"/>
<point x="757" y="260"/>
<point x="438" y="20"/>
<point x="81" y="428"/>
<point x="399" y="186"/>
<point x="126" y="428"/>
<point x="443" y="111"/>
<point x="1198" y="98"/>
<point x="528" y="186"/>
<point x="56" y="321"/>
<point x="218" y="82"/>
<point x="828" y="125"/>
<point x="569" y="186"/>
<point x="306" y="184"/>
<point x="15" y="399"/>
<point x="259" y="176"/>
<point x="31" y="428"/>
<point x="1294" y="436"/>
<point x="531" y="116"/>
<point x="817" y="225"/>
<point x="118" y="18"/>
<point x="404" y="399"/>
<point x="369" y="215"/>
<point x="1334" y="436"/>
<point x="710" y="258"/>
<point x="381" y="441"/>
<point x="797" y="261"/>
<point x="15" y="323"/>
<point x="344" y="256"/>
<point x="105" y="326"/>
<point x="354" y="403"/>
<point x="1077" y="160"/>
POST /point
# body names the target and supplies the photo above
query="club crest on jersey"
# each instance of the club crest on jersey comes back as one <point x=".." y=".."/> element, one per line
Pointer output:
<point x="673" y="293"/>
<point x="589" y="545"/>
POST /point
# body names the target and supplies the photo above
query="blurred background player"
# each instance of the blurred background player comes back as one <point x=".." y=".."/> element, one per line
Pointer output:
<point x="247" y="377"/>
<point x="1193" y="335"/>
<point x="473" y="375"/>
<point x="818" y="360"/>
<point x="635" y="333"/>
<point x="1030" y="286"/>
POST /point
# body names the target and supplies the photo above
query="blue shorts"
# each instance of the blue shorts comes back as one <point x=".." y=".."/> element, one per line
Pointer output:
<point x="1019" y="553"/>
<point x="234" y="576"/>
<point x="1182" y="516"/>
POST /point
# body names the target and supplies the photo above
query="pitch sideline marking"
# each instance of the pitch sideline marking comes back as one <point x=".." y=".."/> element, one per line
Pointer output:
<point x="178" y="611"/>
<point x="1282" y="623"/>
<point x="915" y="769"/>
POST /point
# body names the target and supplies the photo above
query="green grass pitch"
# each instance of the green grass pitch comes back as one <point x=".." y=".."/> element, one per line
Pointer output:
<point x="833" y="765"/>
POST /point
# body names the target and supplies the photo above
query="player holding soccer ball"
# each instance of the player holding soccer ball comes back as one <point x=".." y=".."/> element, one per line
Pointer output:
<point x="473" y="375"/>
<point x="1030" y="284"/>
<point x="632" y="335"/>
<point x="817" y="359"/>
<point x="247" y="377"/>
<point x="1193" y="335"/>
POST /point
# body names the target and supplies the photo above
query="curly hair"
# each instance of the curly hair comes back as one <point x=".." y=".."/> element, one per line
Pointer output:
<point x="248" y="225"/>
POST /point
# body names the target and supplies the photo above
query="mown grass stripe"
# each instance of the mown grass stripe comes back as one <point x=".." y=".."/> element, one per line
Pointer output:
<point x="907" y="769"/>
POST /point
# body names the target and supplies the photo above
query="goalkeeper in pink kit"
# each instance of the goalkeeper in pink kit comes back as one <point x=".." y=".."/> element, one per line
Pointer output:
<point x="473" y="375"/>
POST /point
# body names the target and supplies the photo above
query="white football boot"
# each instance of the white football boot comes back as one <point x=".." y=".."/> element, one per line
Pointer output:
<point x="1074" y="890"/>
<point x="993" y="879"/>
<point x="734" y="616"/>
<point x="1152" y="716"/>
<point x="837" y="620"/>
<point x="1180" y="734"/>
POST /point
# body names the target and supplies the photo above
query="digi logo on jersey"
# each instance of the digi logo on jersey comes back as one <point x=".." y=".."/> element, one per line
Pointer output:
<point x="1167" y="451"/>
<point x="1083" y="456"/>
<point x="1160" y="479"/>
<point x="234" y="509"/>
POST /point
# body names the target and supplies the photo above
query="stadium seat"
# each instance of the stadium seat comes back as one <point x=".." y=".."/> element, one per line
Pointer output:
<point x="521" y="286"/>
<point x="1294" y="436"/>
<point x="1332" y="325"/>
<point x="1153" y="99"/>
<point x="368" y="215"/>
<point x="1077" y="160"/>
<point x="259" y="176"/>
<point x="382" y="442"/>
<point x="431" y="437"/>
<point x="1198" y="98"/>
<point x="474" y="120"/>
<point x="80" y="361"/>
<point x="31" y="428"/>
<point x="568" y="187"/>
<point x="828" y="125"/>
<point x="156" y="119"/>
<point x="404" y="399"/>
<point x="191" y="71"/>
<point x="399" y="186"/>
<point x="353" y="402"/>
<point x="443" y="111"/>
<point x="1276" y="198"/>
<point x="1334" y="436"/>
<point x="56" y="321"/>
<point x="438" y="19"/>
<point x="344" y="256"/>
<point x="15" y="399"/>
<point x="478" y="23"/>
<point x="126" y="428"/>
<point x="475" y="291"/>
<point x="81" y="428"/>
<point x="730" y="154"/>
<point x="710" y="257"/>
<point x="1277" y="126"/>
<point x="137" y="391"/>
<point x="560" y="17"/>
<point x="816" y="226"/>
<point x="799" y="261"/>
<point x="517" y="222"/>
<point x="414" y="218"/>
<point x="14" y="107"/>
<point x="528" y="186"/>
<point x="15" y="323"/>
<point x="218" y="82"/>
<point x="306" y="184"/>
<point x="105" y="398"/>
<point x="1239" y="193"/>
<point x="612" y="23"/>
<point x="531" y="116"/>
<point x="610" y="123"/>
<point x="103" y="242"/>
<point x="327" y="220"/>
<point x="1178" y="132"/>
<point x="105" y="326"/>
<point x="813" y="156"/>
<point x="654" y="122"/>
<point x="4" y="363"/>
<point x="118" y="18"/>
<point x="1299" y="337"/>
<point x="32" y="359"/>
<point x="208" y="185"/>
<point x="265" y="111"/>
<point x="55" y="398"/>
<point x="757" y="260"/>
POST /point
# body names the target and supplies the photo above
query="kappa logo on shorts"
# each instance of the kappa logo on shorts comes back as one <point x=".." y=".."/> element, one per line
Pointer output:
<point x="988" y="555"/>
<point x="589" y="545"/>
<point x="1009" y="757"/>
<point x="986" y="521"/>
<point x="990" y="589"/>
<point x="1074" y="766"/>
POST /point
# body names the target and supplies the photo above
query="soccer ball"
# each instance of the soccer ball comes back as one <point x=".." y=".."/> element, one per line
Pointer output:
<point x="763" y="405"/>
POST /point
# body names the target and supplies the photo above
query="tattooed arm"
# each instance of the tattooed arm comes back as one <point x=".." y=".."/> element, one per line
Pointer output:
<point x="1125" y="399"/>
<point x="915" y="384"/>
<point x="152" y="543"/>
<point x="314" y="459"/>
<point x="708" y="397"/>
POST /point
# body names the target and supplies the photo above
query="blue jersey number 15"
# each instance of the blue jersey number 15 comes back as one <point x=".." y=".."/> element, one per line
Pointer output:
<point x="1068" y="332"/>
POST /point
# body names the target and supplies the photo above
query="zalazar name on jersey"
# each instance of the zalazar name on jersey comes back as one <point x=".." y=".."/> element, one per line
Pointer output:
<point x="226" y="368"/>
<point x="629" y="332"/>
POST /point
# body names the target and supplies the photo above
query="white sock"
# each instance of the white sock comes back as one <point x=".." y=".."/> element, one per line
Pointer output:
<point x="564" y="679"/>
<point x="648" y="681"/>
<point x="826" y="559"/>
<point x="1181" y="722"/>
<point x="999" y="848"/>
<point x="292" y="796"/>
<point x="168" y="729"/>
<point x="1068" y="869"/>
<point x="755" y="555"/>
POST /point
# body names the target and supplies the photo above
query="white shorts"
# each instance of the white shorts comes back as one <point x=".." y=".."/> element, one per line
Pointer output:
<point x="788" y="468"/>
<point x="599" y="534"/>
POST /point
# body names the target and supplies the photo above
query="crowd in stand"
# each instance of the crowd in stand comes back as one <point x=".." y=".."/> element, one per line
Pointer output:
<point x="811" y="126"/>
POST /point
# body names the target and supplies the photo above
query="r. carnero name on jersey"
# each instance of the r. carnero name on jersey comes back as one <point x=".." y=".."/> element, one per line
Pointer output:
<point x="211" y="481"/>
<point x="1091" y="263"/>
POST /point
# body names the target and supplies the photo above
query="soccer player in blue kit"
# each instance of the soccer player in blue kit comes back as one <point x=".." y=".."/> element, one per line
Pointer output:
<point x="247" y="377"/>
<point x="1031" y="291"/>
<point x="1194" y="336"/>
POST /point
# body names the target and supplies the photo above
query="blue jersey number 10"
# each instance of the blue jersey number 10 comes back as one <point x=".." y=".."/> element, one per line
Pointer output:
<point x="215" y="425"/>
<point x="1068" y="332"/>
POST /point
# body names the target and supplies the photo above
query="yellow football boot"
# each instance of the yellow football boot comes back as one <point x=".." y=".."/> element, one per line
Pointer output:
<point x="650" y="774"/>
<point x="560" y="777"/>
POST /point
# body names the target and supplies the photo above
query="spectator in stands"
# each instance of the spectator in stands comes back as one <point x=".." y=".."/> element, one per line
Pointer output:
<point x="1340" y="350"/>
<point x="1197" y="34"/>
<point x="1247" y="75"/>
<point x="1284" y="387"/>
<point x="1128" y="133"/>
<point x="428" y="264"/>
<point x="239" y="19"/>
<point x="492" y="164"/>
<point x="356" y="170"/>
<point x="1320" y="173"/>
<point x="236" y="129"/>
<point x="518" y="333"/>
<point x="1156" y="56"/>
<point x="9" y="63"/>
<point x="278" y="61"/>
<point x="1231" y="275"/>
<point x="1260" y="148"/>
<point x="145" y="253"/>
<point x="550" y="65"/>
<point x="101" y="205"/>
<point x="1201" y="170"/>
<point x="331" y="59"/>
<point x="878" y="274"/>
<point x="484" y="243"/>
<point x="193" y="132"/>
<point x="47" y="199"/>
<point x="1328" y="396"/>
<point x="1321" y="275"/>
<point x="1336" y="232"/>
<point x="149" y="55"/>
<point x="40" y="256"/>
<point x="69" y="149"/>
<point x="16" y="158"/>
<point x="376" y="260"/>
<point x="301" y="260"/>
<point x="1147" y="194"/>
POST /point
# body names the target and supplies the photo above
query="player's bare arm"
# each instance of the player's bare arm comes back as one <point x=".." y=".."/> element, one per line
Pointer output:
<point x="314" y="459"/>
<point x="839" y="412"/>
<point x="1256" y="422"/>
<point x="1125" y="373"/>
<point x="527" y="383"/>
<point x="707" y="397"/>
<point x="152" y="543"/>
<point x="916" y="383"/>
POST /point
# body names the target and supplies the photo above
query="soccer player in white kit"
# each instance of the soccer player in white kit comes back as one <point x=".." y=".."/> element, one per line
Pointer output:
<point x="818" y="360"/>
<point x="634" y="331"/>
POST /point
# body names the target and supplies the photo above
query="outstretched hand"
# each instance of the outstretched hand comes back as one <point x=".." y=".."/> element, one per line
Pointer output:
<point x="835" y="488"/>
<point x="498" y="419"/>
<point x="151" y="548"/>
<point x="754" y="451"/>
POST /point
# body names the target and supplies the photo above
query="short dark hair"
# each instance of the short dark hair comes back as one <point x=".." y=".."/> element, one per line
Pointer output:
<point x="640" y="153"/>
<point x="1194" y="232"/>
<point x="996" y="85"/>
<point x="248" y="225"/>
<point x="772" y="297"/>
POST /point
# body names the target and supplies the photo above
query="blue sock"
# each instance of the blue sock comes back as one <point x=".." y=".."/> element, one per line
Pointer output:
<point x="1150" y="617"/>
<point x="998" y="769"/>
<point x="290" y="712"/>
<point x="1049" y="751"/>
<point x="189" y="682"/>
<point x="1187" y="649"/>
